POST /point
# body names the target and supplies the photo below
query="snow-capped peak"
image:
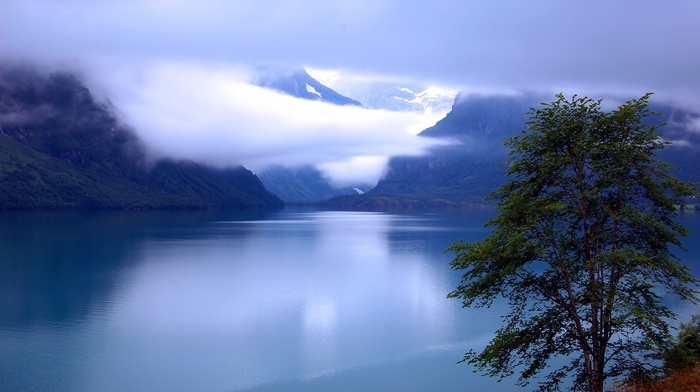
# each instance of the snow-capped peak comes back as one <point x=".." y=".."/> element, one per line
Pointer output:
<point x="431" y="99"/>
<point x="432" y="102"/>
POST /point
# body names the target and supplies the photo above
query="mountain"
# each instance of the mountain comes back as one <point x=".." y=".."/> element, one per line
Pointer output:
<point x="305" y="183"/>
<point x="301" y="85"/>
<point x="61" y="148"/>
<point x="432" y="103"/>
<point x="390" y="95"/>
<point x="682" y="129"/>
<point x="464" y="173"/>
<point x="459" y="174"/>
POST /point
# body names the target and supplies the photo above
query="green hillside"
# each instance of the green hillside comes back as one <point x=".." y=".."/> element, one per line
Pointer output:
<point x="61" y="148"/>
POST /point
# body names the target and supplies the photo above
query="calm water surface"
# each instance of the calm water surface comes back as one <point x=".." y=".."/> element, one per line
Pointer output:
<point x="204" y="301"/>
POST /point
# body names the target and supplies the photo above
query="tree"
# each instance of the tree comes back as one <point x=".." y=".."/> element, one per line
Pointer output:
<point x="580" y="249"/>
<point x="685" y="352"/>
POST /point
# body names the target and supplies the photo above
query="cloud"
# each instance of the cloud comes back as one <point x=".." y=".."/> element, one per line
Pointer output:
<point x="639" y="47"/>
<point x="355" y="170"/>
<point x="593" y="47"/>
<point x="211" y="114"/>
<point x="693" y="124"/>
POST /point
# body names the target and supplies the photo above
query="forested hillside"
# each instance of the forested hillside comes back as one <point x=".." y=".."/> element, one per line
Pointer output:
<point x="61" y="148"/>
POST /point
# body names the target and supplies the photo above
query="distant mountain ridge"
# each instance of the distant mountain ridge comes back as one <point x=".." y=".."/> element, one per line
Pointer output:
<point x="390" y="95"/>
<point x="464" y="173"/>
<point x="60" y="148"/>
<point x="306" y="184"/>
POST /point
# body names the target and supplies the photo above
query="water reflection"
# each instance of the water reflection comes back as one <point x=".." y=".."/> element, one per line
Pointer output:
<point x="301" y="297"/>
<point x="193" y="301"/>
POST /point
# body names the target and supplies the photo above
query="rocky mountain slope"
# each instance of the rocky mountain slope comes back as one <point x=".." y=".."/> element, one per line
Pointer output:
<point x="464" y="173"/>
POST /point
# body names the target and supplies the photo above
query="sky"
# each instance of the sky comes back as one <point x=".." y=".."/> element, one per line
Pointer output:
<point x="180" y="71"/>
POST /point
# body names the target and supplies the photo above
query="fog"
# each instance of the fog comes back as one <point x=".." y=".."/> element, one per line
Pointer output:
<point x="179" y="72"/>
<point x="214" y="115"/>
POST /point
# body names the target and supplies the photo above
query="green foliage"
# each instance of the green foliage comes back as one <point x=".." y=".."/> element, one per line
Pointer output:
<point x="580" y="248"/>
<point x="30" y="179"/>
<point x="685" y="352"/>
<point x="62" y="149"/>
<point x="466" y="171"/>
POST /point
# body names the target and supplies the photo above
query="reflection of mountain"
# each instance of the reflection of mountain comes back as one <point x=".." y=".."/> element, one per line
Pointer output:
<point x="60" y="148"/>
<point x="466" y="172"/>
<point x="57" y="265"/>
<point x="110" y="295"/>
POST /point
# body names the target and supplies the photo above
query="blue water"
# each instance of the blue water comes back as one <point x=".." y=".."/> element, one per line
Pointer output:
<point x="297" y="300"/>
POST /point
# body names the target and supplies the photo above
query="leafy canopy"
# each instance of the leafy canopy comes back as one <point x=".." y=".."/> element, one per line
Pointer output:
<point x="580" y="248"/>
<point x="685" y="353"/>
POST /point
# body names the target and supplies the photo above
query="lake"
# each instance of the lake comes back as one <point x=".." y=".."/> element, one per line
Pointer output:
<point x="294" y="300"/>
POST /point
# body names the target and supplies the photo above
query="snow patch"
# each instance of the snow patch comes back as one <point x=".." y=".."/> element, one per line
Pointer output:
<point x="432" y="97"/>
<point x="432" y="103"/>
<point x="310" y="89"/>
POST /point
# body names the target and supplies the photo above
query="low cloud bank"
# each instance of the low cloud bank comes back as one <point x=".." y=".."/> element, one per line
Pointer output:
<point x="213" y="115"/>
